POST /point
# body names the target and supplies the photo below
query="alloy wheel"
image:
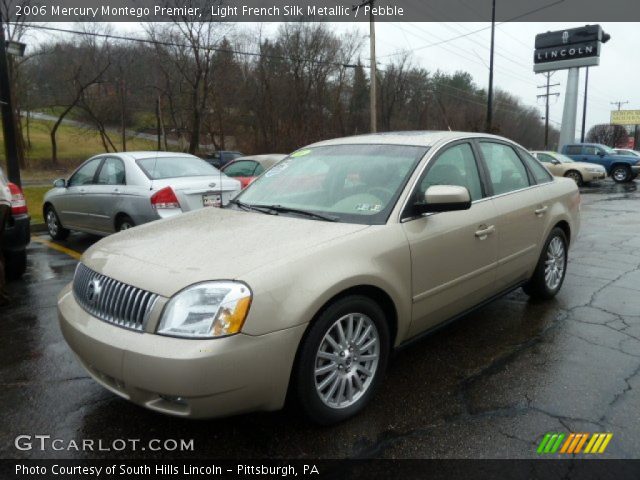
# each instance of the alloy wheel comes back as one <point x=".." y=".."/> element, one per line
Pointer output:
<point x="52" y="223"/>
<point x="347" y="360"/>
<point x="555" y="263"/>
<point x="620" y="174"/>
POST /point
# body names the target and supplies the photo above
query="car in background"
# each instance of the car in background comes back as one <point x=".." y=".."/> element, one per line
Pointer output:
<point x="404" y="232"/>
<point x="627" y="151"/>
<point x="17" y="230"/>
<point x="622" y="168"/>
<point x="562" y="166"/>
<point x="116" y="191"/>
<point x="220" y="158"/>
<point x="246" y="169"/>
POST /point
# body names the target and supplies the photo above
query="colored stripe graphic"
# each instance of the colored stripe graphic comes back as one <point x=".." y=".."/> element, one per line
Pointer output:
<point x="574" y="442"/>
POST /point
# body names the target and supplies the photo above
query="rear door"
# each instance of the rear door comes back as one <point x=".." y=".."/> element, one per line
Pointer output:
<point x="453" y="254"/>
<point x="520" y="222"/>
<point x="107" y="196"/>
<point x="72" y="206"/>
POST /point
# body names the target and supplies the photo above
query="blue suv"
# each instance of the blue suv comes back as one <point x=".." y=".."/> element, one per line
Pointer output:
<point x="622" y="168"/>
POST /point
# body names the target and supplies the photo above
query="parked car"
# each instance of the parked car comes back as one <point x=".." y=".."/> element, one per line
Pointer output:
<point x="15" y="233"/>
<point x="246" y="169"/>
<point x="562" y="166"/>
<point x="116" y="191"/>
<point x="406" y="232"/>
<point x="221" y="157"/>
<point x="627" y="152"/>
<point x="621" y="168"/>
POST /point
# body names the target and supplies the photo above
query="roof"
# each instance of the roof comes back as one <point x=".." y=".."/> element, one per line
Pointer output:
<point x="150" y="154"/>
<point x="424" y="138"/>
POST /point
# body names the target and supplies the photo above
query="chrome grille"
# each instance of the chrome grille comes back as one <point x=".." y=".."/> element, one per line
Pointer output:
<point x="112" y="301"/>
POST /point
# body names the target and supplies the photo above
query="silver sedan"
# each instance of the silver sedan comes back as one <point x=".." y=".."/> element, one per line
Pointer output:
<point x="116" y="191"/>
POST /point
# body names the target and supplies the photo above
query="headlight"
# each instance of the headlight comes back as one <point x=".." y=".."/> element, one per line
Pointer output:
<point x="207" y="310"/>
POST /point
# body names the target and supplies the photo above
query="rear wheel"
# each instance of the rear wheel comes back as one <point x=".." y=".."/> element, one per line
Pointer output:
<point x="575" y="176"/>
<point x="55" y="228"/>
<point x="342" y="360"/>
<point x="124" y="223"/>
<point x="551" y="269"/>
<point x="621" y="174"/>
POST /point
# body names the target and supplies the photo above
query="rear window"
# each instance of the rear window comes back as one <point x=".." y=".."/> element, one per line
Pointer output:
<point x="540" y="173"/>
<point x="174" y="167"/>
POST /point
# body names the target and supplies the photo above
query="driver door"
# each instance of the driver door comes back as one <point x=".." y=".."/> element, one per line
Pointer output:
<point x="453" y="254"/>
<point x="72" y="206"/>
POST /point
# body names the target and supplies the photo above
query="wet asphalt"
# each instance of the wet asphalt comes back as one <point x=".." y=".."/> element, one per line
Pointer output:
<point x="488" y="386"/>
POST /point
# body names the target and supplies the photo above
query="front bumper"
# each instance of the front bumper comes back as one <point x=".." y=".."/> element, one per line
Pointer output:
<point x="635" y="170"/>
<point x="593" y="176"/>
<point x="190" y="378"/>
<point x="17" y="233"/>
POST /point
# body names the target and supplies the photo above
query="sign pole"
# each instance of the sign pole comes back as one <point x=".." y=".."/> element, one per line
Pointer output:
<point x="568" y="130"/>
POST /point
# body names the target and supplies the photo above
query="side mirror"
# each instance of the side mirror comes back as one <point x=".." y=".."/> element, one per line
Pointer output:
<point x="60" y="183"/>
<point x="444" y="198"/>
<point x="555" y="162"/>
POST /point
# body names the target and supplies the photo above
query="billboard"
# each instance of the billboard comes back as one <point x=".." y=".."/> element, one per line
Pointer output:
<point x="625" y="117"/>
<point x="574" y="47"/>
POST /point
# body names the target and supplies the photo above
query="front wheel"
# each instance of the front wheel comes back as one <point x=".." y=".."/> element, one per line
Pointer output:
<point x="342" y="360"/>
<point x="15" y="264"/>
<point x="55" y="228"/>
<point x="575" y="176"/>
<point x="621" y="174"/>
<point x="551" y="268"/>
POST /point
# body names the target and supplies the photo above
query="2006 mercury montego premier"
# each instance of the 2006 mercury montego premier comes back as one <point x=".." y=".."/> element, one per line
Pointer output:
<point x="343" y="251"/>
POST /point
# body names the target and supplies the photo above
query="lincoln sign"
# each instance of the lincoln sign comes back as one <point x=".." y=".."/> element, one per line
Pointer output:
<point x="575" y="47"/>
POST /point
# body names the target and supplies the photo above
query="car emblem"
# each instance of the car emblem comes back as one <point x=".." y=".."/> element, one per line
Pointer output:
<point x="93" y="294"/>
<point x="565" y="37"/>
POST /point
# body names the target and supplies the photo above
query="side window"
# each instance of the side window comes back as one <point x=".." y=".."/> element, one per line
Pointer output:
<point x="590" y="151"/>
<point x="544" y="158"/>
<point x="506" y="171"/>
<point x="243" y="168"/>
<point x="455" y="166"/>
<point x="259" y="169"/>
<point x="573" y="150"/>
<point x="112" y="172"/>
<point x="84" y="176"/>
<point x="539" y="172"/>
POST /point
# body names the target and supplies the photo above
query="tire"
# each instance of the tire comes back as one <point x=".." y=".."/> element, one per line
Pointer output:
<point x="124" y="223"/>
<point x="545" y="284"/>
<point x="575" y="176"/>
<point x="345" y="368"/>
<point x="621" y="174"/>
<point x="54" y="227"/>
<point x="15" y="264"/>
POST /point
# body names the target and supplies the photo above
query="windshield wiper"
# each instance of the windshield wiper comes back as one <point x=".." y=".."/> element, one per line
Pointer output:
<point x="249" y="207"/>
<point x="319" y="216"/>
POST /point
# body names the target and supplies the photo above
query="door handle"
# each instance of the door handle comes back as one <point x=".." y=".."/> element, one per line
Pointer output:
<point x="541" y="211"/>
<point x="485" y="231"/>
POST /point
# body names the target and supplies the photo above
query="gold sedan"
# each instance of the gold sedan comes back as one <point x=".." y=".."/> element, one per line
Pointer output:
<point x="342" y="252"/>
<point x="562" y="166"/>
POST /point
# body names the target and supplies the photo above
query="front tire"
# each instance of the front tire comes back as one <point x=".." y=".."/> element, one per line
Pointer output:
<point x="342" y="360"/>
<point x="621" y="174"/>
<point x="15" y="264"/>
<point x="575" y="176"/>
<point x="54" y="227"/>
<point x="551" y="268"/>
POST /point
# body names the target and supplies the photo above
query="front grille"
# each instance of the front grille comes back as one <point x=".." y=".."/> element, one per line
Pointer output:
<point x="112" y="301"/>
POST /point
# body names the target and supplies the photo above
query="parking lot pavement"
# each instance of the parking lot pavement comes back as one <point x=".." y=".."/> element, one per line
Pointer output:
<point x="488" y="386"/>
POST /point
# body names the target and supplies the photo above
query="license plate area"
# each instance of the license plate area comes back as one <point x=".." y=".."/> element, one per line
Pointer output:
<point x="211" y="200"/>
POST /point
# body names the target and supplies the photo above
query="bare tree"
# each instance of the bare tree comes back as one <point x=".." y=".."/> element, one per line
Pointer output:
<point x="611" y="135"/>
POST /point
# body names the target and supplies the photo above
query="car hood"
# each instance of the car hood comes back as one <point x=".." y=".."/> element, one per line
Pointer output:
<point x="166" y="256"/>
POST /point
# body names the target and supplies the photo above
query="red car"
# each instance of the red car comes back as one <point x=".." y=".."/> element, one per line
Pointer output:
<point x="246" y="169"/>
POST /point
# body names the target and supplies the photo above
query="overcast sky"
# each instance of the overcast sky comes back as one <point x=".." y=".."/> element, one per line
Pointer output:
<point x="616" y="79"/>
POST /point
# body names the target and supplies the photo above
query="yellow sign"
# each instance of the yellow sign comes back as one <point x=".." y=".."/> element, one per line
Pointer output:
<point x="625" y="117"/>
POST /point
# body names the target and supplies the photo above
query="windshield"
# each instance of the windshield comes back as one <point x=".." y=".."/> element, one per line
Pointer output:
<point x="562" y="158"/>
<point x="173" y="167"/>
<point x="352" y="183"/>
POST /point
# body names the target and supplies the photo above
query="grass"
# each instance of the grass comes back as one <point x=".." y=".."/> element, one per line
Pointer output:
<point x="74" y="146"/>
<point x="34" y="196"/>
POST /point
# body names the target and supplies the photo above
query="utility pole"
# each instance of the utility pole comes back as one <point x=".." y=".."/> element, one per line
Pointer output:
<point x="584" y="107"/>
<point x="373" y="108"/>
<point x="8" y="118"/>
<point x="489" y="125"/>
<point x="546" y="96"/>
<point x="619" y="104"/>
